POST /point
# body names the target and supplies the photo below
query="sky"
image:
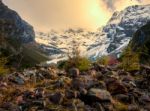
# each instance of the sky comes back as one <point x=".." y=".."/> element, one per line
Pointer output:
<point x="45" y="15"/>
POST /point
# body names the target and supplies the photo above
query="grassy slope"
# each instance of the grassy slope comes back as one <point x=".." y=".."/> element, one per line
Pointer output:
<point x="33" y="55"/>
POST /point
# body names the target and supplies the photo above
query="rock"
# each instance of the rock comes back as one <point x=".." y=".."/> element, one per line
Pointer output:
<point x="83" y="91"/>
<point x="112" y="74"/>
<point x="147" y="107"/>
<point x="133" y="108"/>
<point x="98" y="95"/>
<point x="122" y="97"/>
<point x="39" y="93"/>
<point x="28" y="95"/>
<point x="99" y="107"/>
<point x="144" y="99"/>
<point x="69" y="94"/>
<point x="126" y="78"/>
<point x="101" y="85"/>
<point x="83" y="82"/>
<point x="19" y="80"/>
<point x="98" y="67"/>
<point x="74" y="72"/>
<point x="15" y="78"/>
<point x="93" y="73"/>
<point x="3" y="85"/>
<point x="38" y="103"/>
<point x="57" y="98"/>
<point x="121" y="72"/>
<point x="63" y="82"/>
<point x="10" y="107"/>
<point x="108" y="106"/>
<point x="115" y="86"/>
<point x="99" y="76"/>
<point x="89" y="108"/>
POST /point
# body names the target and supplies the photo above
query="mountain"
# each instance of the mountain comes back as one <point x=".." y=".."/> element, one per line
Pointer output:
<point x="58" y="44"/>
<point x="17" y="38"/>
<point x="12" y="24"/>
<point x="110" y="39"/>
<point x="121" y="27"/>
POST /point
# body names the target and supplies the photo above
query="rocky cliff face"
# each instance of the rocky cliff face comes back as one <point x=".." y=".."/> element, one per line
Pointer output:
<point x="140" y="43"/>
<point x="17" y="39"/>
<point x="13" y="27"/>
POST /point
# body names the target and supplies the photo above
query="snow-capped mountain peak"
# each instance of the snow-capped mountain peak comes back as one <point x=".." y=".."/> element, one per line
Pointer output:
<point x="111" y="39"/>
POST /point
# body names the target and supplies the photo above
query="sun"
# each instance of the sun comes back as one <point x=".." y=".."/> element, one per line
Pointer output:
<point x="96" y="13"/>
<point x="94" y="10"/>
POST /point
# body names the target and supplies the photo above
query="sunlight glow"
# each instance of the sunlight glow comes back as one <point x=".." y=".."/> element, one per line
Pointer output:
<point x="96" y="13"/>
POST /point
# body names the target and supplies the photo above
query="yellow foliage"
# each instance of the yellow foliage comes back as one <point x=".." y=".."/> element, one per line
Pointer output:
<point x="104" y="60"/>
<point x="75" y="60"/>
<point x="120" y="106"/>
<point x="130" y="60"/>
<point x="3" y="69"/>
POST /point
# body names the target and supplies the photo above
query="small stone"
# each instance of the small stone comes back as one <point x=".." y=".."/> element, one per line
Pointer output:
<point x="99" y="107"/>
<point x="133" y="108"/>
<point x="122" y="97"/>
<point x="74" y="72"/>
<point x="115" y="86"/>
<point x="57" y="98"/>
<point x="69" y="94"/>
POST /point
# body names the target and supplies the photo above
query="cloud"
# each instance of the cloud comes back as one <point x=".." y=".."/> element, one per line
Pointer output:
<point x="113" y="5"/>
<point x="110" y="4"/>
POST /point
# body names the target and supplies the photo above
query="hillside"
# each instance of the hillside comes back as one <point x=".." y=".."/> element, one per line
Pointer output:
<point x="15" y="35"/>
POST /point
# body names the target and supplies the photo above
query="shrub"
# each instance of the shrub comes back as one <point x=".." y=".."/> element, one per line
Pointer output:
<point x="81" y="63"/>
<point x="104" y="60"/>
<point x="3" y="69"/>
<point x="61" y="64"/>
<point x="75" y="60"/>
<point x="108" y="60"/>
<point x="120" y="106"/>
<point x="130" y="60"/>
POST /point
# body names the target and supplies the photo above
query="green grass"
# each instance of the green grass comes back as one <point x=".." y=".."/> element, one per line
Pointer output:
<point x="32" y="55"/>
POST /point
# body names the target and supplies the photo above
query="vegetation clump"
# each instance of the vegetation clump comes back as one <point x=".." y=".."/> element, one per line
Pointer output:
<point x="130" y="60"/>
<point x="3" y="69"/>
<point x="104" y="60"/>
<point x="75" y="60"/>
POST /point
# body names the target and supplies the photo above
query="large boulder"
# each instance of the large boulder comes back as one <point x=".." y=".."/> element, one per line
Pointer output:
<point x="95" y="95"/>
<point x="99" y="95"/>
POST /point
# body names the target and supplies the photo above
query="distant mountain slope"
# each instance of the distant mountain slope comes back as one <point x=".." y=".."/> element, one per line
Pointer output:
<point x="60" y="43"/>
